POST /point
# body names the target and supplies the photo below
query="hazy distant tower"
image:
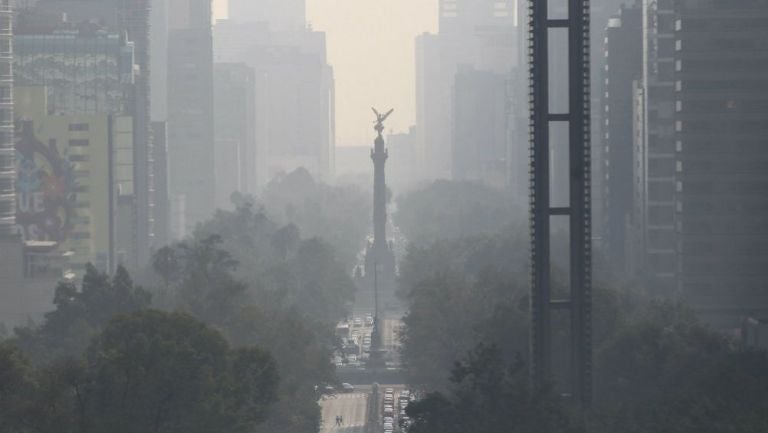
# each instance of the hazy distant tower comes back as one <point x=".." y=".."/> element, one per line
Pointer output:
<point x="281" y="15"/>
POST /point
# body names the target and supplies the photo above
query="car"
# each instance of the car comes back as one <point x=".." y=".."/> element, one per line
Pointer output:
<point x="389" y="391"/>
<point x="388" y="419"/>
<point x="358" y="322"/>
<point x="347" y="387"/>
<point x="388" y="426"/>
<point x="388" y="431"/>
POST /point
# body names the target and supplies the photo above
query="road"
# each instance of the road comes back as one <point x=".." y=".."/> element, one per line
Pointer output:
<point x="353" y="407"/>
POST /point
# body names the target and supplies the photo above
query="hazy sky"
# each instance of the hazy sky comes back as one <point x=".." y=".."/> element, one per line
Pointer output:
<point x="371" y="47"/>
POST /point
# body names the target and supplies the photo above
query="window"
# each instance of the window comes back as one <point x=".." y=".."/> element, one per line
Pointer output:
<point x="79" y="127"/>
<point x="79" y="158"/>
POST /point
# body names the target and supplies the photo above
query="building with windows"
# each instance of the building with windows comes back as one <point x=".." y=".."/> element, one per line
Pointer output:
<point x="295" y="110"/>
<point x="7" y="169"/>
<point x="72" y="171"/>
<point x="621" y="73"/>
<point x="720" y="157"/>
<point x="479" y="34"/>
<point x="191" y="159"/>
<point x="237" y="158"/>
<point x="654" y="221"/>
<point x="129" y="19"/>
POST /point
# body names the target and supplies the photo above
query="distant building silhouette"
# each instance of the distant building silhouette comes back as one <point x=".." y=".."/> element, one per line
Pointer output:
<point x="191" y="158"/>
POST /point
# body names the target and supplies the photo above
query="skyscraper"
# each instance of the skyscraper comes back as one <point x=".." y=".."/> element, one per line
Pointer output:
<point x="481" y="34"/>
<point x="282" y="15"/>
<point x="720" y="157"/>
<point x="655" y="185"/>
<point x="131" y="18"/>
<point x="480" y="127"/>
<point x="7" y="152"/>
<point x="295" y="109"/>
<point x="190" y="112"/>
<point x="622" y="71"/>
<point x="237" y="161"/>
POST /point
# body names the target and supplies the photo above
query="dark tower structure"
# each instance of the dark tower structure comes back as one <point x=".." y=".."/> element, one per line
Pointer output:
<point x="543" y="23"/>
<point x="379" y="258"/>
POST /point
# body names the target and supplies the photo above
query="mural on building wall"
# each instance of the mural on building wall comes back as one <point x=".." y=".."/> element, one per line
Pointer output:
<point x="45" y="189"/>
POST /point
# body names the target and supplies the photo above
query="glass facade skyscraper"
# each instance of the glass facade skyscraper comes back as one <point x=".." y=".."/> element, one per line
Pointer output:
<point x="7" y="161"/>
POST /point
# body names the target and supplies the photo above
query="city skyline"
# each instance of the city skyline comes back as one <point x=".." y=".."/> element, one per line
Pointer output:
<point x="369" y="42"/>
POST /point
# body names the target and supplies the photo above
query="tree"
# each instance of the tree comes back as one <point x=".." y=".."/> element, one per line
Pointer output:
<point x="459" y="293"/>
<point x="301" y="351"/>
<point x="281" y="269"/>
<point x="664" y="371"/>
<point x="339" y="214"/>
<point x="489" y="395"/>
<point x="167" y="372"/>
<point x="80" y="314"/>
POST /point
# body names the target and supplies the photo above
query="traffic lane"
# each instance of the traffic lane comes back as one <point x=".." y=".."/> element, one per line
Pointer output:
<point x="352" y="407"/>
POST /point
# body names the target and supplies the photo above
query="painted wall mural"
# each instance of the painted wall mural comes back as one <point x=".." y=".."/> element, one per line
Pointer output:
<point x="45" y="189"/>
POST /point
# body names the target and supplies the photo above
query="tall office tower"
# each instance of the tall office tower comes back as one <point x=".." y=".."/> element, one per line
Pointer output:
<point x="622" y="71"/>
<point x="234" y="107"/>
<point x="159" y="182"/>
<point x="63" y="63"/>
<point x="282" y="15"/>
<point x="654" y="223"/>
<point x="159" y="60"/>
<point x="7" y="152"/>
<point x="129" y="17"/>
<point x="480" y="127"/>
<point x="720" y="157"/>
<point x="190" y="112"/>
<point x="83" y="76"/>
<point x="294" y="116"/>
<point x="475" y="33"/>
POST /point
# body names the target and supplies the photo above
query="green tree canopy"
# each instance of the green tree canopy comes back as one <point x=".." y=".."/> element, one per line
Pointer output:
<point x="167" y="372"/>
<point x="80" y="314"/>
<point x="340" y="214"/>
<point x="489" y="395"/>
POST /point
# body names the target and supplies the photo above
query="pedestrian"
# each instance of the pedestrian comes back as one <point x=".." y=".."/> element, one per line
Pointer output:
<point x="338" y="420"/>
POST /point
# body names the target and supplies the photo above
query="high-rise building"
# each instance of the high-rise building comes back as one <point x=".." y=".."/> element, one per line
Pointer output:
<point x="129" y="18"/>
<point x="621" y="73"/>
<point x="7" y="152"/>
<point x="480" y="127"/>
<point x="237" y="159"/>
<point x="84" y="72"/>
<point x="720" y="157"/>
<point x="282" y="15"/>
<point x="655" y="185"/>
<point x="295" y="108"/>
<point x="72" y="171"/>
<point x="191" y="158"/>
<point x="159" y="183"/>
<point x="480" y="34"/>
